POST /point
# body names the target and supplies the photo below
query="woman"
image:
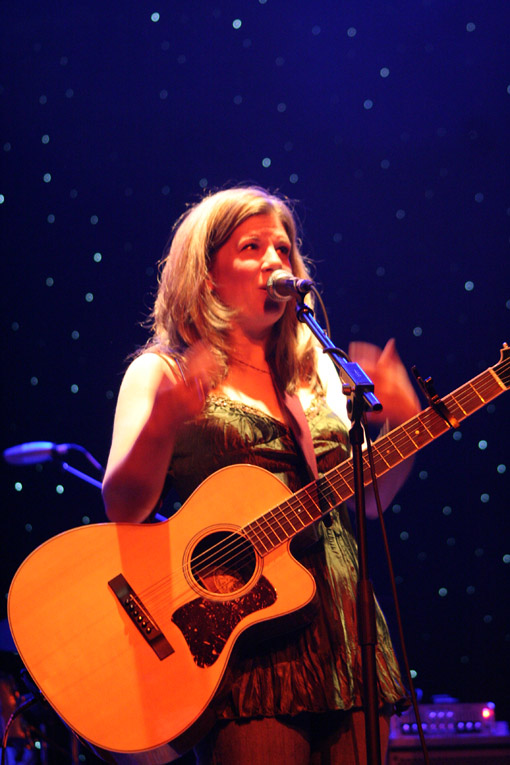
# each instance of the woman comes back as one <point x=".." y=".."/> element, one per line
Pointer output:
<point x="226" y="372"/>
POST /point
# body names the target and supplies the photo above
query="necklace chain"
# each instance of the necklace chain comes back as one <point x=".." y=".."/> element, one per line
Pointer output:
<point x="251" y="366"/>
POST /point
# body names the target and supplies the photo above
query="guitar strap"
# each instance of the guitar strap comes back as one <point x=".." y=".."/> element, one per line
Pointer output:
<point x="296" y="420"/>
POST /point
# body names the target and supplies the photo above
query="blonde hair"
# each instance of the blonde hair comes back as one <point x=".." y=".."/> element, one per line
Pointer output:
<point x="187" y="308"/>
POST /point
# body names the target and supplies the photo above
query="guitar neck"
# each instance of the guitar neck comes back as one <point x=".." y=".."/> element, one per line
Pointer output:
<point x="309" y="504"/>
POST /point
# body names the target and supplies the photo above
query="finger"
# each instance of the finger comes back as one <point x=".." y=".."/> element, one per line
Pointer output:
<point x="389" y="352"/>
<point x="364" y="353"/>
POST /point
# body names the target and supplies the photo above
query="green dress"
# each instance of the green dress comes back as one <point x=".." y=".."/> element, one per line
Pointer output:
<point x="317" y="666"/>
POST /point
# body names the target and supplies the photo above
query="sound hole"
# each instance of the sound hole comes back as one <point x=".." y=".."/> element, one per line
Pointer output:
<point x="223" y="562"/>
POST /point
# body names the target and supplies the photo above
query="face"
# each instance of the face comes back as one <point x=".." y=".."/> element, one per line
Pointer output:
<point x="242" y="266"/>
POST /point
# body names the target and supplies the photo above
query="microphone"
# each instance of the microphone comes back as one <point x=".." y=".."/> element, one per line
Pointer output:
<point x="282" y="285"/>
<point x="35" y="451"/>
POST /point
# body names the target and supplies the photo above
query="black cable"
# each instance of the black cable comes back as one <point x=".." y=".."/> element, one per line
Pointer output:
<point x="28" y="702"/>
<point x="394" y="593"/>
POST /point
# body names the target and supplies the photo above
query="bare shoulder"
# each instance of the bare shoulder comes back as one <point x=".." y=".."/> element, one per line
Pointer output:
<point x="150" y="370"/>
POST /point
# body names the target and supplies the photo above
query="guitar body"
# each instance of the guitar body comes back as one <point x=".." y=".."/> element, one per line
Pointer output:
<point x="85" y="606"/>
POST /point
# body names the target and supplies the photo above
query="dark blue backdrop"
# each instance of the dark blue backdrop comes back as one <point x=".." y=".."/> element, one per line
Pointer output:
<point x="389" y="123"/>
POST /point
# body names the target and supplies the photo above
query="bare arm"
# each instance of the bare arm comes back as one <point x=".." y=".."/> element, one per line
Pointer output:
<point x="153" y="402"/>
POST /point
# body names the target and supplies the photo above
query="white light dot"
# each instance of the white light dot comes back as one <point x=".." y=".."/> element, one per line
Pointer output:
<point x="85" y="519"/>
<point x="18" y="486"/>
<point x="447" y="510"/>
<point x="266" y="162"/>
<point x="316" y="30"/>
<point x="237" y="23"/>
<point x="413" y="673"/>
<point x="337" y="237"/>
<point x="482" y="444"/>
<point x="155" y="17"/>
<point x="238" y="100"/>
<point x="380" y="271"/>
<point x="109" y="395"/>
<point x="404" y="536"/>
<point x="470" y="590"/>
<point x="15" y="327"/>
<point x="457" y="435"/>
<point x="28" y="527"/>
<point x="484" y="498"/>
<point x="89" y="297"/>
<point x="384" y="72"/>
<point x="506" y="558"/>
<point x="43" y="100"/>
<point x="50" y="281"/>
<point x="487" y="618"/>
<point x="501" y="469"/>
<point x="73" y="193"/>
<point x="59" y="489"/>
<point x="385" y="163"/>
<point x="163" y="94"/>
<point x="75" y="334"/>
<point x="294" y="178"/>
<point x="396" y="508"/>
<point x="479" y="197"/>
<point x="400" y="214"/>
<point x="2" y="199"/>
<point x="97" y="257"/>
<point x="470" y="27"/>
<point x="442" y="592"/>
<point x="417" y="331"/>
<point x="469" y="286"/>
<point x="69" y="93"/>
<point x="351" y="32"/>
<point x="45" y="139"/>
<point x="282" y="107"/>
<point x="203" y="183"/>
<point x="51" y="218"/>
<point x="423" y="475"/>
<point x="368" y="103"/>
<point x="94" y="220"/>
<point x="7" y="146"/>
<point x="165" y="190"/>
<point x="34" y="381"/>
<point x="74" y="388"/>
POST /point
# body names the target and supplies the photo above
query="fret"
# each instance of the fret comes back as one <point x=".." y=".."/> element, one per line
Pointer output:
<point x="417" y="432"/>
<point x="325" y="481"/>
<point x="458" y="404"/>
<point x="259" y="544"/>
<point x="269" y="530"/>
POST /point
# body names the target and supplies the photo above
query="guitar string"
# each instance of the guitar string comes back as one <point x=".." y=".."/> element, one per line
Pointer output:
<point x="209" y="558"/>
<point x="241" y="540"/>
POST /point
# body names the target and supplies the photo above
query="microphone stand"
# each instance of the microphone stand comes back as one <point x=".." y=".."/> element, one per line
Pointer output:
<point x="358" y="386"/>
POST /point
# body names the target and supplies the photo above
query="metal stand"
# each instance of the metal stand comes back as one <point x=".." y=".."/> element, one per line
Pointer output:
<point x="359" y="388"/>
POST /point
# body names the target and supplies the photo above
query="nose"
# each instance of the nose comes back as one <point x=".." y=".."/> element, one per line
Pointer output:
<point x="272" y="259"/>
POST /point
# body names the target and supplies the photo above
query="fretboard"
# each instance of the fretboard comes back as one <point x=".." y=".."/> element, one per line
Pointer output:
<point x="310" y="503"/>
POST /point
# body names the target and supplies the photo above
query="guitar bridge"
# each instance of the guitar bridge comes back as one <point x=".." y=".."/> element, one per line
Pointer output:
<point x="140" y="617"/>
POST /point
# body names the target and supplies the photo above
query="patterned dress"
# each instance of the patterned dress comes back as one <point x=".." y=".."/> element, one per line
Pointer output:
<point x="317" y="666"/>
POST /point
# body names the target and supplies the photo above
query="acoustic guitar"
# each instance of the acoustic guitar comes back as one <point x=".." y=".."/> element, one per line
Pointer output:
<point x="127" y="628"/>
